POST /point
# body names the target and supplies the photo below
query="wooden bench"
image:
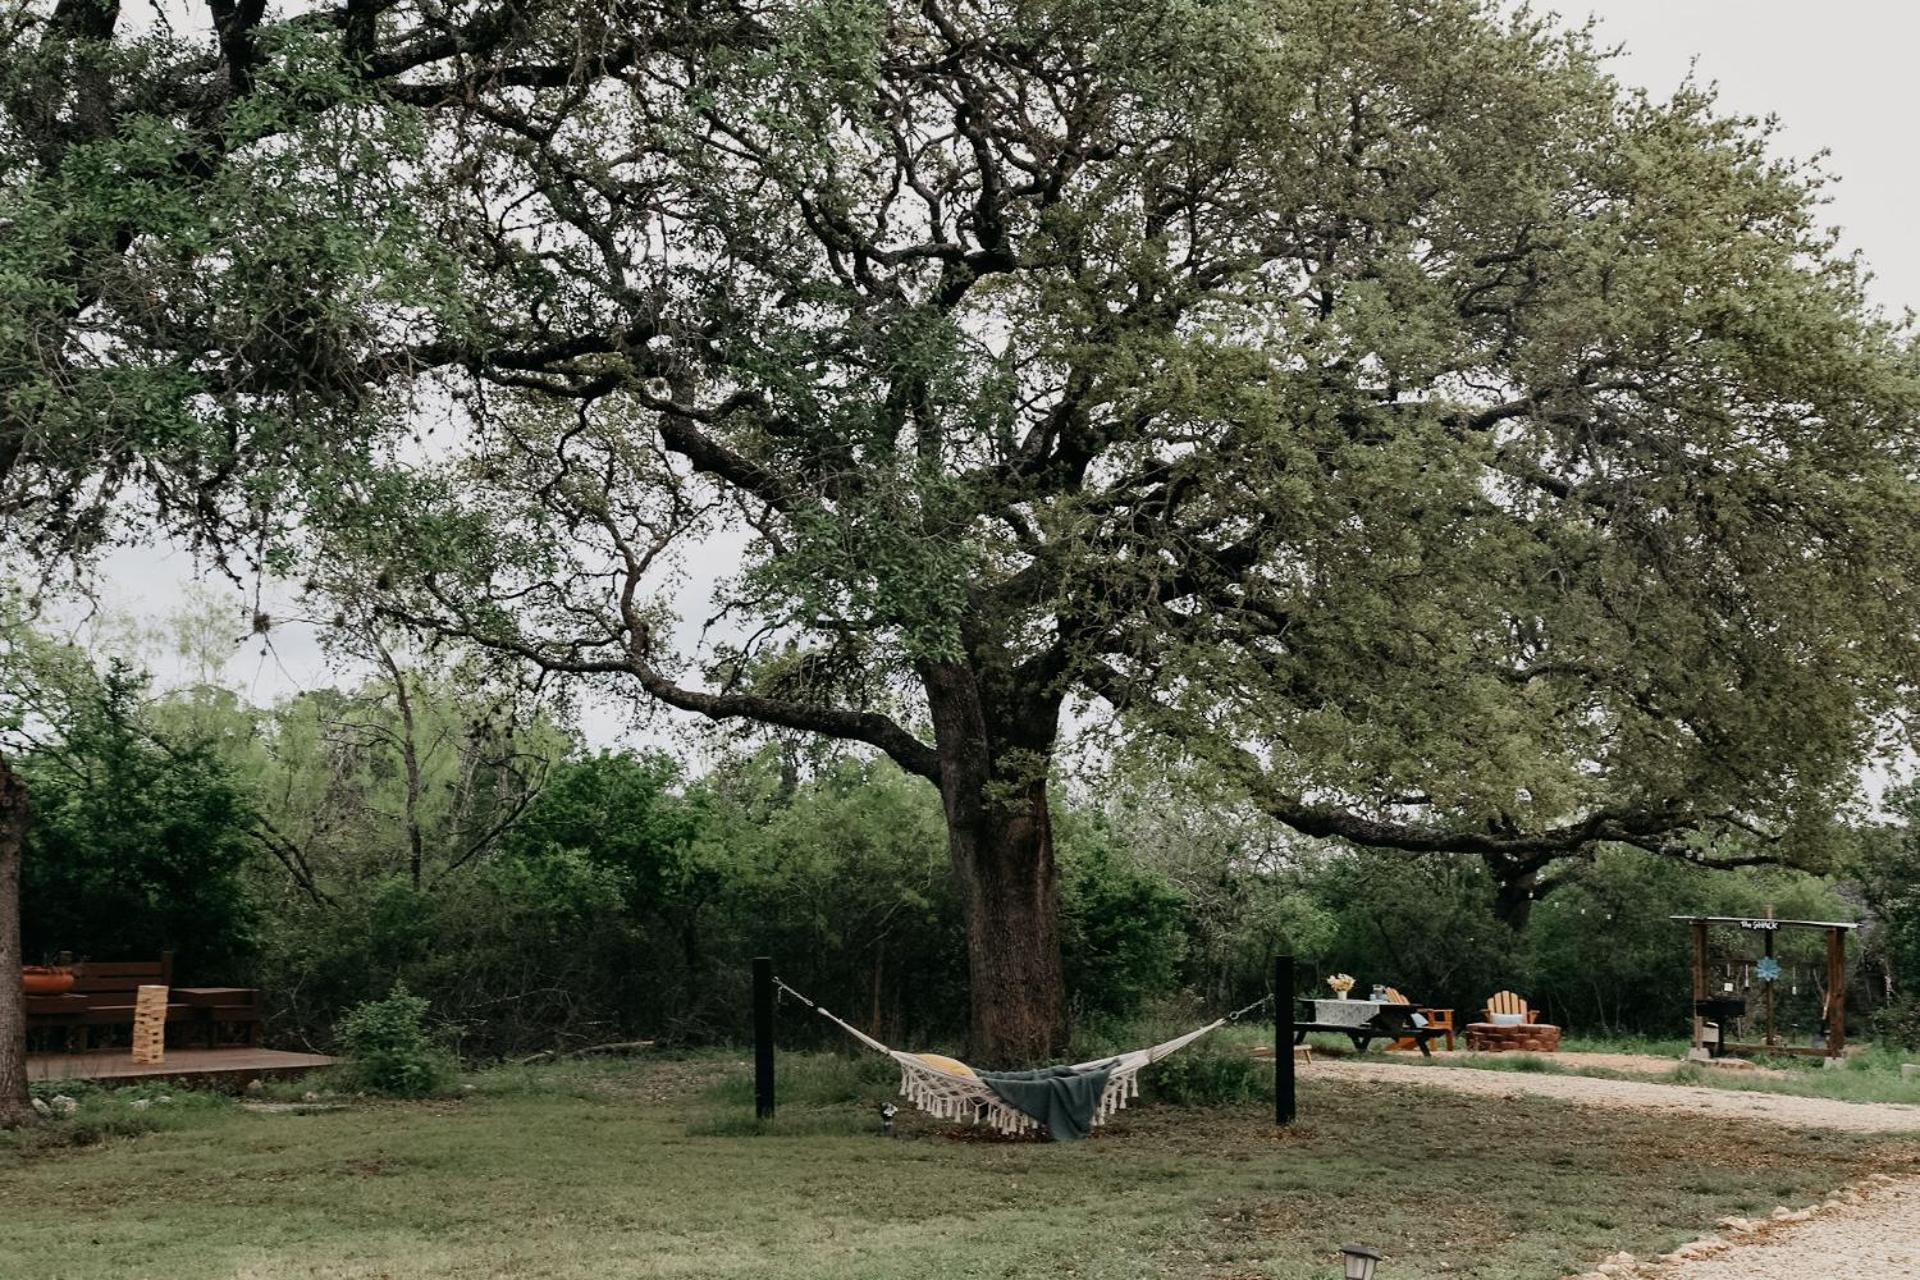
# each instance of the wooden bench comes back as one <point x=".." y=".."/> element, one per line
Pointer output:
<point x="103" y="996"/>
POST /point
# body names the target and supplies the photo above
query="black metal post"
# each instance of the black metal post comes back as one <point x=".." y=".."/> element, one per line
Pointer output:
<point x="763" y="1037"/>
<point x="1284" y="1104"/>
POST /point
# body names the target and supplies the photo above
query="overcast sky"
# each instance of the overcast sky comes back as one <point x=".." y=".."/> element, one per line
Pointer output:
<point x="1840" y="76"/>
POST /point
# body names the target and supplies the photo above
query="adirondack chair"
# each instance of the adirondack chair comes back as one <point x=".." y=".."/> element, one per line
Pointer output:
<point x="1508" y="1002"/>
<point x="1527" y="1034"/>
<point x="1437" y="1019"/>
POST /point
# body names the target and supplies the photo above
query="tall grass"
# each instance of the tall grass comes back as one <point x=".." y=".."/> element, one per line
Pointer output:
<point x="814" y="1080"/>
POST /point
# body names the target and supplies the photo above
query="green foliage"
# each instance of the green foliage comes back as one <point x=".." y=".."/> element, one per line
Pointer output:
<point x="1203" y="1075"/>
<point x="336" y="770"/>
<point x="1445" y="470"/>
<point x="846" y="878"/>
<point x="197" y="257"/>
<point x="1898" y="1022"/>
<point x="1608" y="959"/>
<point x="625" y="903"/>
<point x="1122" y="927"/>
<point x="139" y="839"/>
<point x="517" y="956"/>
<point x="626" y="899"/>
<point x="1540" y="485"/>
<point x="620" y="812"/>
<point x="1885" y="862"/>
<point x="1422" y="925"/>
<point x="390" y="1050"/>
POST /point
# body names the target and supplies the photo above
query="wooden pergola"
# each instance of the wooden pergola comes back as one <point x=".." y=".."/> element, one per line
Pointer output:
<point x="1833" y="1012"/>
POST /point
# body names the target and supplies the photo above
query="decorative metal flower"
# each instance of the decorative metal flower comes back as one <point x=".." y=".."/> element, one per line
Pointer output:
<point x="1767" y="969"/>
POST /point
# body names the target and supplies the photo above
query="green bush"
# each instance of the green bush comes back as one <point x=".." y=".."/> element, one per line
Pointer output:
<point x="1898" y="1023"/>
<point x="390" y="1050"/>
<point x="1199" y="1076"/>
<point x="1121" y="926"/>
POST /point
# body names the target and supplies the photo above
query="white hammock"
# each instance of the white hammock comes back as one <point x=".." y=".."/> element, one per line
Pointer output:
<point x="949" y="1090"/>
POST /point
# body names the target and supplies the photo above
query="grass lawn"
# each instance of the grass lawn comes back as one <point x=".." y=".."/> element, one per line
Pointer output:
<point x="657" y="1169"/>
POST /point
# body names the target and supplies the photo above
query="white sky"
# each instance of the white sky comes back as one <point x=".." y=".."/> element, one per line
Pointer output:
<point x="1839" y="74"/>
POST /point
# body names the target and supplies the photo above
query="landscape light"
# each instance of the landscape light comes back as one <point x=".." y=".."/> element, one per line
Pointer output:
<point x="1360" y="1261"/>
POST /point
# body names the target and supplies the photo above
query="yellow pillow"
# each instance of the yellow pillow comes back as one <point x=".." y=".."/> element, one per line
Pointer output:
<point x="951" y="1066"/>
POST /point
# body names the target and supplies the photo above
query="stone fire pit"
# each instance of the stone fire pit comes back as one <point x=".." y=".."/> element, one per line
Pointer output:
<point x="1532" y="1037"/>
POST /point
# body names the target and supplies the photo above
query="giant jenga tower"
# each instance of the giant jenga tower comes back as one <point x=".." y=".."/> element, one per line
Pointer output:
<point x="150" y="1026"/>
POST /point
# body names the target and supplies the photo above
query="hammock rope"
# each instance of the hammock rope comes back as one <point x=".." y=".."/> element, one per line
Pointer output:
<point x="951" y="1090"/>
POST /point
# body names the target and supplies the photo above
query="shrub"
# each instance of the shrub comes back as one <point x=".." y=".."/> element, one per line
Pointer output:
<point x="1898" y="1023"/>
<point x="390" y="1049"/>
<point x="1122" y="929"/>
<point x="1200" y="1077"/>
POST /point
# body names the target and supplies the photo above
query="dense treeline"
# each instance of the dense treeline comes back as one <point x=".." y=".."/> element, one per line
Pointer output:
<point x="414" y="830"/>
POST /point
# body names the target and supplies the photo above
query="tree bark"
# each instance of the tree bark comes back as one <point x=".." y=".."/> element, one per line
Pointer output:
<point x="1514" y="885"/>
<point x="410" y="757"/>
<point x="994" y="753"/>
<point x="15" y="1108"/>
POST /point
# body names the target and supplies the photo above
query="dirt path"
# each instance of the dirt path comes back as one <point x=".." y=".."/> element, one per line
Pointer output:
<point x="1631" y="1063"/>
<point x="1635" y="1095"/>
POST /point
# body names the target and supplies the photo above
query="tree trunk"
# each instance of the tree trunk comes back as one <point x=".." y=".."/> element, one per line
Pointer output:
<point x="15" y="1109"/>
<point x="1515" y="881"/>
<point x="994" y="754"/>
<point x="410" y="757"/>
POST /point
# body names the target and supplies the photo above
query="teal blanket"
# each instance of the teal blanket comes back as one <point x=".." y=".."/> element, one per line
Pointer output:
<point x="1060" y="1098"/>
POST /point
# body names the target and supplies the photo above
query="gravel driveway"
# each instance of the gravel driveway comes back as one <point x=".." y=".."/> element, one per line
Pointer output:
<point x="1634" y="1095"/>
<point x="1878" y="1238"/>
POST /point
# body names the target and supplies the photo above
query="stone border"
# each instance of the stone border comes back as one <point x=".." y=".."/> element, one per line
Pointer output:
<point x="1734" y="1233"/>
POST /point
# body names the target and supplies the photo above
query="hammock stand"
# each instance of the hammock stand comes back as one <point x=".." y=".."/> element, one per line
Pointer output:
<point x="950" y="1090"/>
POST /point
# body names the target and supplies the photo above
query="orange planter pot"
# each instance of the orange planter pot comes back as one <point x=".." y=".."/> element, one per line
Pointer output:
<point x="41" y="981"/>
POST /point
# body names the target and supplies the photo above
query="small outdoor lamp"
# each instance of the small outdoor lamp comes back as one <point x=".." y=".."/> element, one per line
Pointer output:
<point x="887" y="1112"/>
<point x="1360" y="1261"/>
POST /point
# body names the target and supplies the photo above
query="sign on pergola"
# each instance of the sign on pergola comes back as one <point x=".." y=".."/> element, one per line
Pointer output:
<point x="1723" y="1006"/>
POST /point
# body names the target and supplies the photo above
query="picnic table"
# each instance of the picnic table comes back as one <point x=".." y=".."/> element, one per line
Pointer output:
<point x="1363" y="1022"/>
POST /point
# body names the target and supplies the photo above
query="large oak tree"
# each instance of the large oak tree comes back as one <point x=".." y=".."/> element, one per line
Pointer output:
<point x="1374" y="402"/>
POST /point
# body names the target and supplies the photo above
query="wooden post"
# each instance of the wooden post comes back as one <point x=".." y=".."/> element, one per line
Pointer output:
<point x="763" y="1037"/>
<point x="1285" y="1106"/>
<point x="1699" y="981"/>
<point x="1769" y="985"/>
<point x="1836" y="993"/>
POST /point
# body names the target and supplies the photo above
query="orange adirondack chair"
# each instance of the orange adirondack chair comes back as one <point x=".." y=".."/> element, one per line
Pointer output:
<point x="1438" y="1019"/>
<point x="1508" y="1002"/>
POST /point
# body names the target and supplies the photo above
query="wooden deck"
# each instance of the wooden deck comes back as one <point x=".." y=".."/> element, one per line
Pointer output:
<point x="212" y="1068"/>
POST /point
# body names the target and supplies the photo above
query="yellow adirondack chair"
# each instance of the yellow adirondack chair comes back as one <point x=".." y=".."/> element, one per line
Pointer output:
<point x="1508" y="1002"/>
<point x="1437" y="1019"/>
